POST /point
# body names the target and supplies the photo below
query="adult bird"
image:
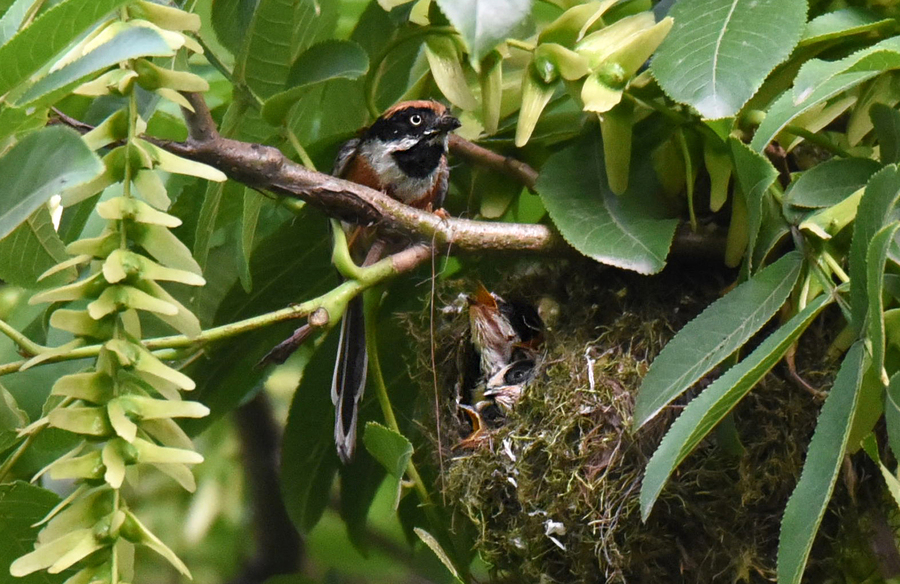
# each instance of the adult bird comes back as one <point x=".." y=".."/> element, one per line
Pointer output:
<point x="404" y="154"/>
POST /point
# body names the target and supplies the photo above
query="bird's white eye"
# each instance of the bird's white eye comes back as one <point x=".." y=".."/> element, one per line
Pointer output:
<point x="415" y="119"/>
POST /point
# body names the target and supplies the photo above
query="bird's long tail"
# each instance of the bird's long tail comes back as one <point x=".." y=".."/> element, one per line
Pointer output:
<point x="349" y="380"/>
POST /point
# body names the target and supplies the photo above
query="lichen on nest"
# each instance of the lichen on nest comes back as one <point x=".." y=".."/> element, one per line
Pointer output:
<point x="553" y="495"/>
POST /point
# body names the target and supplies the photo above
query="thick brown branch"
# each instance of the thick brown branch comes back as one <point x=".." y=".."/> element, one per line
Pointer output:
<point x="484" y="157"/>
<point x="266" y="168"/>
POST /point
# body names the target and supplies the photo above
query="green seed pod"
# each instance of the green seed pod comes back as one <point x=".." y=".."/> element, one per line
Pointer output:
<point x="118" y="298"/>
<point x="57" y="555"/>
<point x="90" y="287"/>
<point x="183" y="320"/>
<point x="135" y="531"/>
<point x="719" y="166"/>
<point x="165" y="17"/>
<point x="574" y="23"/>
<point x="121" y="423"/>
<point x="598" y="96"/>
<point x="599" y="45"/>
<point x="491" y="79"/>
<point x="551" y="60"/>
<point x="88" y="466"/>
<point x="98" y="247"/>
<point x="638" y="48"/>
<point x="152" y="77"/>
<point x="616" y="129"/>
<point x="63" y="266"/>
<point x="112" y="129"/>
<point x="114" y="464"/>
<point x="175" y="164"/>
<point x="117" y="82"/>
<point x="94" y="387"/>
<point x="738" y="231"/>
<point x="167" y="249"/>
<point x="85" y="510"/>
<point x="135" y="210"/>
<point x="147" y="408"/>
<point x="122" y="264"/>
<point x="147" y="452"/>
<point x="152" y="189"/>
<point x="446" y="69"/>
<point x="535" y="96"/>
<point x="167" y="433"/>
<point x="88" y="421"/>
<point x="143" y="361"/>
<point x="80" y="323"/>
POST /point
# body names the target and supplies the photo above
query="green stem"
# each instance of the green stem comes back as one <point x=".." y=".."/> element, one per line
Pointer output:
<point x="520" y="45"/>
<point x="333" y="302"/>
<point x="818" y="140"/>
<point x="24" y="342"/>
<point x="688" y="178"/>
<point x="387" y="410"/>
<point x="835" y="267"/>
<point x="340" y="253"/>
<point x="12" y="460"/>
<point x="298" y="147"/>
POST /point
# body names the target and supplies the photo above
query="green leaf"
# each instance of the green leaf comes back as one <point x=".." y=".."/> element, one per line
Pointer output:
<point x="359" y="484"/>
<point x="875" y="259"/>
<point x="266" y="58"/>
<point x="875" y="209"/>
<point x="21" y="506"/>
<point x="709" y="408"/>
<point x="391" y="449"/>
<point x="11" y="416"/>
<point x="715" y="334"/>
<point x="13" y="17"/>
<point x="206" y="221"/>
<point x="435" y="547"/>
<point x="806" y="506"/>
<point x="331" y="59"/>
<point x="253" y="202"/>
<point x="870" y="445"/>
<point x="816" y="73"/>
<point x="830" y="182"/>
<point x="842" y="23"/>
<point x="290" y="265"/>
<point x="625" y="231"/>
<point x="484" y="24"/>
<point x="230" y="20"/>
<point x="447" y="72"/>
<point x="755" y="174"/>
<point x="281" y="29"/>
<point x="892" y="413"/>
<point x="720" y="51"/>
<point x="131" y="43"/>
<point x="818" y="81"/>
<point x="886" y="121"/>
<point x="308" y="456"/>
<point x="37" y="168"/>
<point x="784" y="110"/>
<point x="33" y="47"/>
<point x="30" y="250"/>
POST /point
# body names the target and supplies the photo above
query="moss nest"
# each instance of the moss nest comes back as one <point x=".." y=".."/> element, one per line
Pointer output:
<point x="553" y="493"/>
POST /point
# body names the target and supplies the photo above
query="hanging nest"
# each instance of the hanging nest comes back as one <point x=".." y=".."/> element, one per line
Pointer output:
<point x="552" y="493"/>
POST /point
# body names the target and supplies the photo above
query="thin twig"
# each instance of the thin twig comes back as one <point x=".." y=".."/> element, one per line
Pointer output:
<point x="484" y="157"/>
<point x="332" y="302"/>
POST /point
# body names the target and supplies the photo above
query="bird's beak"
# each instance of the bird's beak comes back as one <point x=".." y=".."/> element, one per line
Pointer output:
<point x="447" y="123"/>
